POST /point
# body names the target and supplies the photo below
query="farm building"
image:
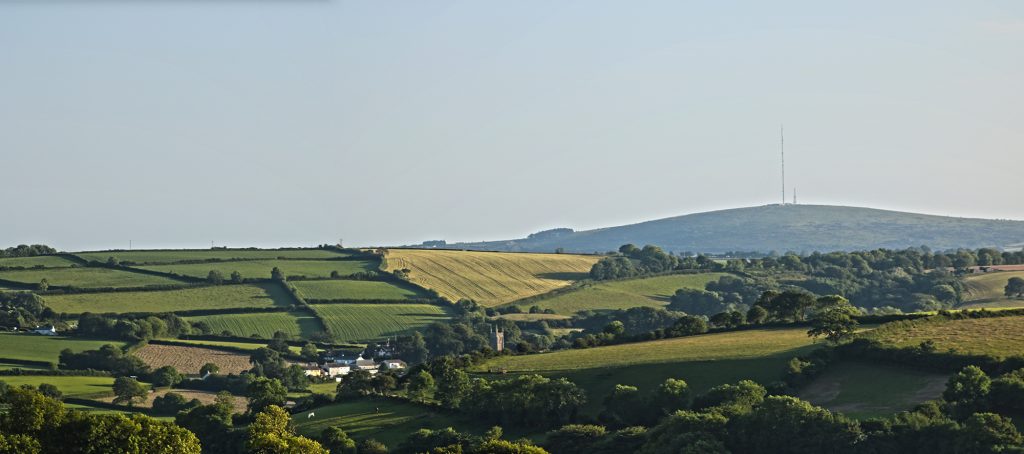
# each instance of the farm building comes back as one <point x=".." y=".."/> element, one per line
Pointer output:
<point x="394" y="364"/>
<point x="312" y="370"/>
<point x="46" y="331"/>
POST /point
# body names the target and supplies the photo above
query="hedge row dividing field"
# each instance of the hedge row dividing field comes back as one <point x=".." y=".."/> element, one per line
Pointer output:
<point x="47" y="261"/>
<point x="198" y="298"/>
<point x="647" y="292"/>
<point x="260" y="269"/>
<point x="299" y="324"/>
<point x="86" y="277"/>
<point x="171" y="256"/>
<point x="356" y="322"/>
<point x="337" y="289"/>
<point x="489" y="278"/>
<point x="34" y="347"/>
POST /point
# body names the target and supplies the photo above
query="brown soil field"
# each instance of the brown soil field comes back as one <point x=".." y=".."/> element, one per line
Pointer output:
<point x="188" y="360"/>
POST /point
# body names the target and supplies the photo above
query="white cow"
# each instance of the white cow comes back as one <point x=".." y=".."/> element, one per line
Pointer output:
<point x="310" y="415"/>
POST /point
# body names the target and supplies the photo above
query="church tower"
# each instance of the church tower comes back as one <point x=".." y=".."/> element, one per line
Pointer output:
<point x="497" y="339"/>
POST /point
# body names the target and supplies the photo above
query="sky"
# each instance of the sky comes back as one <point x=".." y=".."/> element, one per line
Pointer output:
<point x="185" y="123"/>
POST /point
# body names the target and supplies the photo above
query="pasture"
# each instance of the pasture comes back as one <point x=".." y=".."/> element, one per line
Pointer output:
<point x="260" y="269"/>
<point x="46" y="261"/>
<point x="363" y="322"/>
<point x="647" y="292"/>
<point x="299" y="324"/>
<point x="84" y="277"/>
<point x="188" y="360"/>
<point x="489" y="278"/>
<point x="187" y="299"/>
<point x="986" y="290"/>
<point x="74" y="386"/>
<point x="335" y="289"/>
<point x="234" y="344"/>
<point x="34" y="347"/>
<point x="171" y="256"/>
<point x="866" y="390"/>
<point x="996" y="336"/>
<point x="389" y="421"/>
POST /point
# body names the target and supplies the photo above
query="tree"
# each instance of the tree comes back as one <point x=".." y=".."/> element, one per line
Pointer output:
<point x="44" y="285"/>
<point x="355" y="383"/>
<point x="614" y="328"/>
<point x="270" y="433"/>
<point x="276" y="274"/>
<point x="50" y="391"/>
<point x="672" y="395"/>
<point x="209" y="368"/>
<point x="696" y="301"/>
<point x="127" y="390"/>
<point x="264" y="392"/>
<point x="310" y="352"/>
<point x="833" y="319"/>
<point x="575" y="439"/>
<point x="337" y="441"/>
<point x="371" y="446"/>
<point x="452" y="386"/>
<point x="1014" y="287"/>
<point x="989" y="432"/>
<point x="788" y="424"/>
<point x="419" y="385"/>
<point x="967" y="391"/>
<point x="166" y="376"/>
<point x="236" y="277"/>
<point x="211" y="423"/>
<point x="215" y="277"/>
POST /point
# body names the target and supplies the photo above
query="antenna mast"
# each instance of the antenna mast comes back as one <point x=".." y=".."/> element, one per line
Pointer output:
<point x="782" y="150"/>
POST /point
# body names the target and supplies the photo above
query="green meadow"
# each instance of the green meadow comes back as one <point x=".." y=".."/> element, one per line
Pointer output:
<point x="356" y="290"/>
<point x="996" y="336"/>
<point x="213" y="297"/>
<point x="298" y="324"/>
<point x="48" y="261"/>
<point x="158" y="257"/>
<point x="866" y="390"/>
<point x="389" y="421"/>
<point x="260" y="269"/>
<point x="355" y="322"/>
<point x="624" y="294"/>
<point x="84" y="277"/>
<point x="34" y="347"/>
<point x="74" y="386"/>
<point x="986" y="290"/>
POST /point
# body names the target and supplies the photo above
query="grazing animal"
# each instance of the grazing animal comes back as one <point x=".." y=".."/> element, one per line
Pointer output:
<point x="310" y="415"/>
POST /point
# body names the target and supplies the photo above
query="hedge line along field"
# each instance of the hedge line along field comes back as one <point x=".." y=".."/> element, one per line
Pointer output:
<point x="996" y="336"/>
<point x="197" y="298"/>
<point x="703" y="361"/>
<point x="299" y="324"/>
<point x="647" y="292"/>
<point x="489" y="278"/>
<point x="242" y="345"/>
<point x="355" y="322"/>
<point x="34" y="347"/>
<point x="86" y="277"/>
<point x="334" y="289"/>
<point x="260" y="269"/>
<point x="188" y="360"/>
<point x="171" y="256"/>
<point x="986" y="290"/>
<point x="865" y="390"/>
<point x="47" y="261"/>
<point x="73" y="386"/>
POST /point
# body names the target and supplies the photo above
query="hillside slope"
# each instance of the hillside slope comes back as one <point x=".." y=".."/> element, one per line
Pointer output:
<point x="779" y="228"/>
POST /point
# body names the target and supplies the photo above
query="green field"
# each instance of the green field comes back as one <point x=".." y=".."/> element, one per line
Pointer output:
<point x="86" y="277"/>
<point x="335" y="289"/>
<point x="49" y="261"/>
<point x="354" y="322"/>
<point x="997" y="336"/>
<point x="260" y="269"/>
<point x="243" y="345"/>
<point x="865" y="390"/>
<point x="298" y="324"/>
<point x="986" y="290"/>
<point x="489" y="278"/>
<point x="33" y="347"/>
<point x="70" y="385"/>
<point x="703" y="361"/>
<point x="648" y="292"/>
<point x="157" y="257"/>
<point x="215" y="297"/>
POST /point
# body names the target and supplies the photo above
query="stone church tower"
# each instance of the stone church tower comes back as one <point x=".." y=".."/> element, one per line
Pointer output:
<point x="497" y="339"/>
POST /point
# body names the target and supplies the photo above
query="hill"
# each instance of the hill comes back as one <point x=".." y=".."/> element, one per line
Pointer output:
<point x="778" y="228"/>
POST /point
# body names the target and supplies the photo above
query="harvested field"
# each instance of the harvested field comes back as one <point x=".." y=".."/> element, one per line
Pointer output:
<point x="188" y="360"/>
<point x="996" y="336"/>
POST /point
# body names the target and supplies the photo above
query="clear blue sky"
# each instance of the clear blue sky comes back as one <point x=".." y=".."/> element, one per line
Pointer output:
<point x="291" y="122"/>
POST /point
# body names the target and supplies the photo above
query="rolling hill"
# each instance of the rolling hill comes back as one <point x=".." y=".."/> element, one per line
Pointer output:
<point x="778" y="228"/>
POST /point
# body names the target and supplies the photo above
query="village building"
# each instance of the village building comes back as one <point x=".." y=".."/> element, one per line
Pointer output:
<point x="394" y="364"/>
<point x="336" y="369"/>
<point x="312" y="370"/>
<point x="46" y="331"/>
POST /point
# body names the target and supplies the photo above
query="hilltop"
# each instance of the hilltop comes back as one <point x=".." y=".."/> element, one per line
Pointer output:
<point x="778" y="228"/>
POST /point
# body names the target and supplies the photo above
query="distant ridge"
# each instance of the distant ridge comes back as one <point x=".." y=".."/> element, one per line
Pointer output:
<point x="781" y="228"/>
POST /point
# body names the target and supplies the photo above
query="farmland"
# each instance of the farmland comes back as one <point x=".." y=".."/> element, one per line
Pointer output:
<point x="214" y="297"/>
<point x="997" y="336"/>
<point x="489" y="278"/>
<point x="986" y="290"/>
<point x="864" y="390"/>
<point x="32" y="347"/>
<point x="234" y="344"/>
<point x="86" y="277"/>
<point x="260" y="269"/>
<point x="361" y="322"/>
<point x="357" y="290"/>
<point x="171" y="256"/>
<point x="69" y="385"/>
<point x="263" y="325"/>
<point x="48" y="261"/>
<point x="188" y="360"/>
<point x="648" y="292"/>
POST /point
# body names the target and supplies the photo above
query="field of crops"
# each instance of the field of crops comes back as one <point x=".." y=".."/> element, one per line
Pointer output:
<point x="986" y="290"/>
<point x="215" y="297"/>
<point x="71" y="386"/>
<point x="997" y="336"/>
<point x="865" y="390"/>
<point x="49" y="261"/>
<point x="263" y="325"/>
<point x="356" y="290"/>
<point x="648" y="292"/>
<point x="157" y="257"/>
<point x="188" y="360"/>
<point x="260" y="269"/>
<point x="86" y="277"/>
<point x="33" y="347"/>
<point x="353" y="322"/>
<point x="489" y="278"/>
<point x="243" y="345"/>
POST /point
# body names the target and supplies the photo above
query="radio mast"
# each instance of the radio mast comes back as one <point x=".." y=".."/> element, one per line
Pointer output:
<point x="782" y="150"/>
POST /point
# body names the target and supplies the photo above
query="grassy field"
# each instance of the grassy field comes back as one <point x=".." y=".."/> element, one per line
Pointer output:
<point x="71" y="386"/>
<point x="703" y="361"/>
<point x="361" y="322"/>
<point x="356" y="290"/>
<point x="33" y="347"/>
<point x="865" y="390"/>
<point x="262" y="268"/>
<point x="243" y="345"/>
<point x="49" y="261"/>
<point x="997" y="336"/>
<point x="216" y="297"/>
<point x="86" y="277"/>
<point x="489" y="278"/>
<point x="649" y="292"/>
<point x="298" y="324"/>
<point x="156" y="257"/>
<point x="188" y="360"/>
<point x="986" y="290"/>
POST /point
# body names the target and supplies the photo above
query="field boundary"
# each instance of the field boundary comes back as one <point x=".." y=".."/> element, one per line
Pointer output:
<point x="291" y="290"/>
